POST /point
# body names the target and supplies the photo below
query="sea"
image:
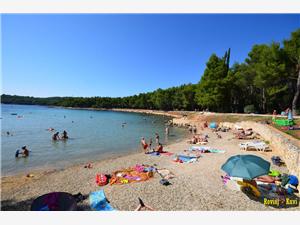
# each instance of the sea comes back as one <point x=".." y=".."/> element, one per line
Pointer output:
<point x="93" y="135"/>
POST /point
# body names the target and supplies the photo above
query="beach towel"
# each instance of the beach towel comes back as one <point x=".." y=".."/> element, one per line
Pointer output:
<point x="154" y="153"/>
<point x="99" y="202"/>
<point x="213" y="125"/>
<point x="216" y="151"/>
<point x="187" y="159"/>
<point x="129" y="175"/>
<point x="167" y="153"/>
<point x="205" y="149"/>
<point x="199" y="148"/>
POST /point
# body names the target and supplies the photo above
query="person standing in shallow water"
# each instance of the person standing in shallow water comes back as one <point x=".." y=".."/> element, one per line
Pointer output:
<point x="167" y="130"/>
<point x="55" y="136"/>
<point x="144" y="144"/>
<point x="64" y="135"/>
<point x="156" y="138"/>
<point x="150" y="143"/>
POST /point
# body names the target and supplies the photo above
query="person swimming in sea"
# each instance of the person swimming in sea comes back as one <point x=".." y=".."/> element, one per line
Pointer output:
<point x="64" y="135"/>
<point x="24" y="152"/>
<point x="55" y="136"/>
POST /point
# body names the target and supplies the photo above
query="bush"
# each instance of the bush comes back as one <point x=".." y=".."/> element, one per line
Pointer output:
<point x="249" y="109"/>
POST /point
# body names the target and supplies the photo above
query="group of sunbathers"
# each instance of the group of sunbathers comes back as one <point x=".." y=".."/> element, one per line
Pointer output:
<point x="148" y="147"/>
<point x="199" y="139"/>
<point x="245" y="134"/>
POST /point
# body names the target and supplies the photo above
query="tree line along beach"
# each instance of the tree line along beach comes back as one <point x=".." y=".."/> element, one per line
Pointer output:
<point x="195" y="186"/>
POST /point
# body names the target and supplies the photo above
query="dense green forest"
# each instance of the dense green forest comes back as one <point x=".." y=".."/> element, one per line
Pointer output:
<point x="268" y="79"/>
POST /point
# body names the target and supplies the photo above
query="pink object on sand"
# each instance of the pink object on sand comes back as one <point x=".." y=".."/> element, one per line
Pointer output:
<point x="167" y="153"/>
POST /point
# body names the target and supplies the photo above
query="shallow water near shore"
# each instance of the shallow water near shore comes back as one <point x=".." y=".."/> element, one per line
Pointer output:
<point x="94" y="135"/>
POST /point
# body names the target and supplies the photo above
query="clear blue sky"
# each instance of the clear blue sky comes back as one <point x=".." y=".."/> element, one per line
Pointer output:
<point x="121" y="55"/>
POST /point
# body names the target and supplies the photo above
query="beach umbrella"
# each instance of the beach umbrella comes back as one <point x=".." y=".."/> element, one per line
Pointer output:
<point x="246" y="166"/>
<point x="55" y="201"/>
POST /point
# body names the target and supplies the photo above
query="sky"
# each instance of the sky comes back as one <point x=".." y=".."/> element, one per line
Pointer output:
<point x="120" y="55"/>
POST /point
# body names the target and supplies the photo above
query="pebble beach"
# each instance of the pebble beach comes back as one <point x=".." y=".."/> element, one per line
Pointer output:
<point x="197" y="186"/>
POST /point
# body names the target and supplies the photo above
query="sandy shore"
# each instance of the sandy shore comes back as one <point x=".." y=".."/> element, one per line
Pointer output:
<point x="197" y="186"/>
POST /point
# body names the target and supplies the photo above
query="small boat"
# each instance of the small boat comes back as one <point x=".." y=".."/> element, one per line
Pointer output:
<point x="14" y="114"/>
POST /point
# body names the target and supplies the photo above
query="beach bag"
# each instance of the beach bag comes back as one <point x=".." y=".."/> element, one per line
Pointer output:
<point x="274" y="173"/>
<point x="101" y="179"/>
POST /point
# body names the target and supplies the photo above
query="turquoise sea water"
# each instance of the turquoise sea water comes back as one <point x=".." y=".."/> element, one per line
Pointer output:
<point x="93" y="135"/>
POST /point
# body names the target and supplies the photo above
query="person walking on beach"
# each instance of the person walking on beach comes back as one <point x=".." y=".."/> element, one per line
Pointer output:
<point x="190" y="129"/>
<point x="156" y="138"/>
<point x="55" y="136"/>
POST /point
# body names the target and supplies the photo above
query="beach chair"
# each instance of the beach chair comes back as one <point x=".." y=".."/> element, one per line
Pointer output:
<point x="259" y="146"/>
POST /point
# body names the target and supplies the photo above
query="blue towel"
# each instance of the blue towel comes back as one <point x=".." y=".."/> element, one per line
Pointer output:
<point x="99" y="202"/>
<point x="185" y="158"/>
<point x="153" y="153"/>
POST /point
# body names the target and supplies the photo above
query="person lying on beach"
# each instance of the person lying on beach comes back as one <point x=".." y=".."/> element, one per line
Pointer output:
<point x="64" y="135"/>
<point x="267" y="179"/>
<point x="193" y="140"/>
<point x="144" y="144"/>
<point x="55" y="136"/>
<point x="198" y="139"/>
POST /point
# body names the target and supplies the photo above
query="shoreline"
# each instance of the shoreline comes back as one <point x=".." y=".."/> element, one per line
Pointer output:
<point x="197" y="186"/>
<point x="173" y="114"/>
<point x="107" y="156"/>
